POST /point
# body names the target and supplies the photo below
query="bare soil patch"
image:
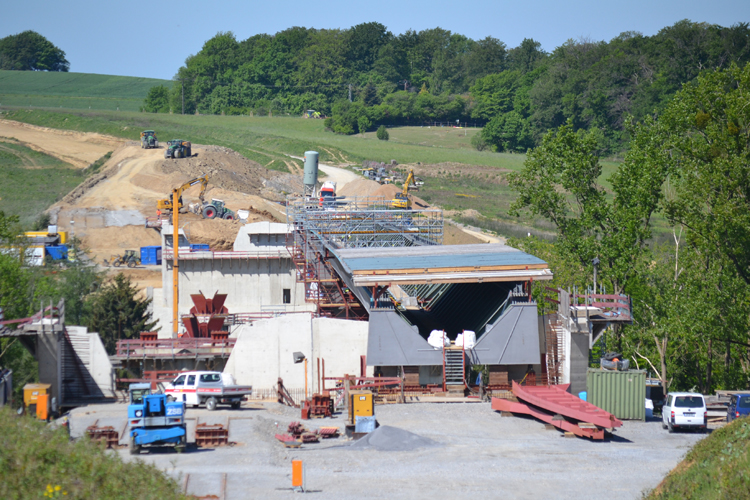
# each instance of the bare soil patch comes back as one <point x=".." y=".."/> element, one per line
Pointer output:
<point x="77" y="148"/>
<point x="491" y="175"/>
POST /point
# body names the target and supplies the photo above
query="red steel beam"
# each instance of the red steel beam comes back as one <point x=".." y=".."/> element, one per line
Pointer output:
<point x="499" y="404"/>
<point x="555" y="400"/>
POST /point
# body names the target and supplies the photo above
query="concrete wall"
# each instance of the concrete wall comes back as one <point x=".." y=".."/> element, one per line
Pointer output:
<point x="264" y="350"/>
<point x="579" y="362"/>
<point x="100" y="367"/>
<point x="261" y="235"/>
<point x="251" y="285"/>
<point x="47" y="355"/>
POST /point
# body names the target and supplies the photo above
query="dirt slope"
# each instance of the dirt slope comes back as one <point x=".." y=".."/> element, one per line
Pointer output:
<point x="77" y="148"/>
<point x="108" y="211"/>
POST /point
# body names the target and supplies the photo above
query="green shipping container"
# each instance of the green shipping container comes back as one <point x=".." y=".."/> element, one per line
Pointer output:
<point x="622" y="394"/>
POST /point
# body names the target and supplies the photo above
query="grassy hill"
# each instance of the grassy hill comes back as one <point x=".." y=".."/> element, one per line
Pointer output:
<point x="718" y="467"/>
<point x="33" y="181"/>
<point x="268" y="140"/>
<point x="74" y="90"/>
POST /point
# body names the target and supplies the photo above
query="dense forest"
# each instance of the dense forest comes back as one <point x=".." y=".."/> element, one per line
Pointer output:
<point x="366" y="76"/>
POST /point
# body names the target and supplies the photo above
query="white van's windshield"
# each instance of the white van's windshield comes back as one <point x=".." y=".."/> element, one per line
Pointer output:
<point x="688" y="402"/>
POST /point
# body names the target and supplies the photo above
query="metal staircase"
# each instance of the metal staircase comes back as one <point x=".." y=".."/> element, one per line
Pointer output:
<point x="555" y="351"/>
<point x="323" y="286"/>
<point x="454" y="369"/>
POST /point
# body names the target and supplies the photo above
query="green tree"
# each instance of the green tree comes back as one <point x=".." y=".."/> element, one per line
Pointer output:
<point x="706" y="130"/>
<point x="117" y="312"/>
<point x="382" y="133"/>
<point x="30" y="51"/>
<point x="157" y="100"/>
<point x="560" y="182"/>
<point x="364" y="123"/>
<point x="508" y="132"/>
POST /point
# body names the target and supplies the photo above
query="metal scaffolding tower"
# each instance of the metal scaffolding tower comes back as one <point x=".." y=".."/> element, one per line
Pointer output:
<point x="319" y="227"/>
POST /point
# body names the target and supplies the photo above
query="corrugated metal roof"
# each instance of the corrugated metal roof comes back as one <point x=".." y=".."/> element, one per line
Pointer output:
<point x="434" y="257"/>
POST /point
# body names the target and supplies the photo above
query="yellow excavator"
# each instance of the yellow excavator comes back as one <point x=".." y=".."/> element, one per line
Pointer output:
<point x="166" y="205"/>
<point x="402" y="199"/>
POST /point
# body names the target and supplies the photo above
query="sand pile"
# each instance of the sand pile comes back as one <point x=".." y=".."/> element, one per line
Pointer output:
<point x="387" y="438"/>
<point x="218" y="234"/>
<point x="360" y="187"/>
<point x="226" y="169"/>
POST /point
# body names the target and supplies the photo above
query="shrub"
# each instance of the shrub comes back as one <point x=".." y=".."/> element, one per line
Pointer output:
<point x="478" y="142"/>
<point x="39" y="462"/>
<point x="382" y="133"/>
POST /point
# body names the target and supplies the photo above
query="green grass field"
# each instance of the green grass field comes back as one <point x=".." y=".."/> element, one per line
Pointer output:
<point x="33" y="181"/>
<point x="40" y="89"/>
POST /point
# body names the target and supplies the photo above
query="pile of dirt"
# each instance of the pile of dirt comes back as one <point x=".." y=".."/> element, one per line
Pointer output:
<point x="277" y="187"/>
<point x="218" y="234"/>
<point x="360" y="187"/>
<point x="226" y="169"/>
<point x="389" y="191"/>
<point x="387" y="438"/>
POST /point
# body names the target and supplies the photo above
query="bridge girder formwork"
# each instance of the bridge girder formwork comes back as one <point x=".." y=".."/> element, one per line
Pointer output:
<point x="351" y="223"/>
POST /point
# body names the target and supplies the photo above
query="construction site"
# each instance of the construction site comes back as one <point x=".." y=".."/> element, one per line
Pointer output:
<point x="365" y="342"/>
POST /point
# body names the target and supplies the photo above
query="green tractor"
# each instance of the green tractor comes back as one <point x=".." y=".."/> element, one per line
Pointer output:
<point x="149" y="140"/>
<point x="216" y="210"/>
<point x="178" y="148"/>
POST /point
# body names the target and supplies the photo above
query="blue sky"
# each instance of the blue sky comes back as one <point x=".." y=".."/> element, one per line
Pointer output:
<point x="153" y="38"/>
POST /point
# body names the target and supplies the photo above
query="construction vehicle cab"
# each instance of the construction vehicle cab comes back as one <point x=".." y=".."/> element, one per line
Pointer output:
<point x="402" y="199"/>
<point x="154" y="420"/>
<point x="178" y="148"/>
<point x="165" y="205"/>
<point x="149" y="140"/>
<point x="217" y="210"/>
<point x="130" y="259"/>
<point x="37" y="402"/>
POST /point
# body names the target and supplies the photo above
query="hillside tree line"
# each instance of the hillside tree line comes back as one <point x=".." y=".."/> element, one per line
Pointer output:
<point x="690" y="165"/>
<point x="434" y="75"/>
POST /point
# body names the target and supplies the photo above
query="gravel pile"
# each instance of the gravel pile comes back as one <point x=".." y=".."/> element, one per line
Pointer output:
<point x="387" y="438"/>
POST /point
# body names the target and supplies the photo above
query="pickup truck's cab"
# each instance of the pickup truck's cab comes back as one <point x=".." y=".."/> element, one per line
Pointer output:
<point x="739" y="406"/>
<point x="209" y="388"/>
<point x="684" y="410"/>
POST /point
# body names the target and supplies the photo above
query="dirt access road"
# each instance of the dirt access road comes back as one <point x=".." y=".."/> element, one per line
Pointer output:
<point x="476" y="454"/>
<point x="76" y="148"/>
<point x="338" y="175"/>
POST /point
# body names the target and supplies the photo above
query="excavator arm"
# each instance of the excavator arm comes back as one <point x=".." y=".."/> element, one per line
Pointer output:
<point x="402" y="199"/>
<point x="409" y="180"/>
<point x="166" y="204"/>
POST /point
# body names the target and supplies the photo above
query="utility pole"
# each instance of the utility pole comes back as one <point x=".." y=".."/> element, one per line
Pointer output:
<point x="350" y="92"/>
<point x="183" y="96"/>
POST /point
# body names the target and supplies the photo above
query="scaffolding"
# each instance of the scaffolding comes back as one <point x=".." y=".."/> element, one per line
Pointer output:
<point x="321" y="226"/>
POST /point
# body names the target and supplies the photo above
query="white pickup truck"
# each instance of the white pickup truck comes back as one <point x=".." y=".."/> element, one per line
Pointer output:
<point x="209" y="388"/>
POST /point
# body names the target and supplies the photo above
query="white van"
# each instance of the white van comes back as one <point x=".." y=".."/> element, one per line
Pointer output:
<point x="684" y="410"/>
